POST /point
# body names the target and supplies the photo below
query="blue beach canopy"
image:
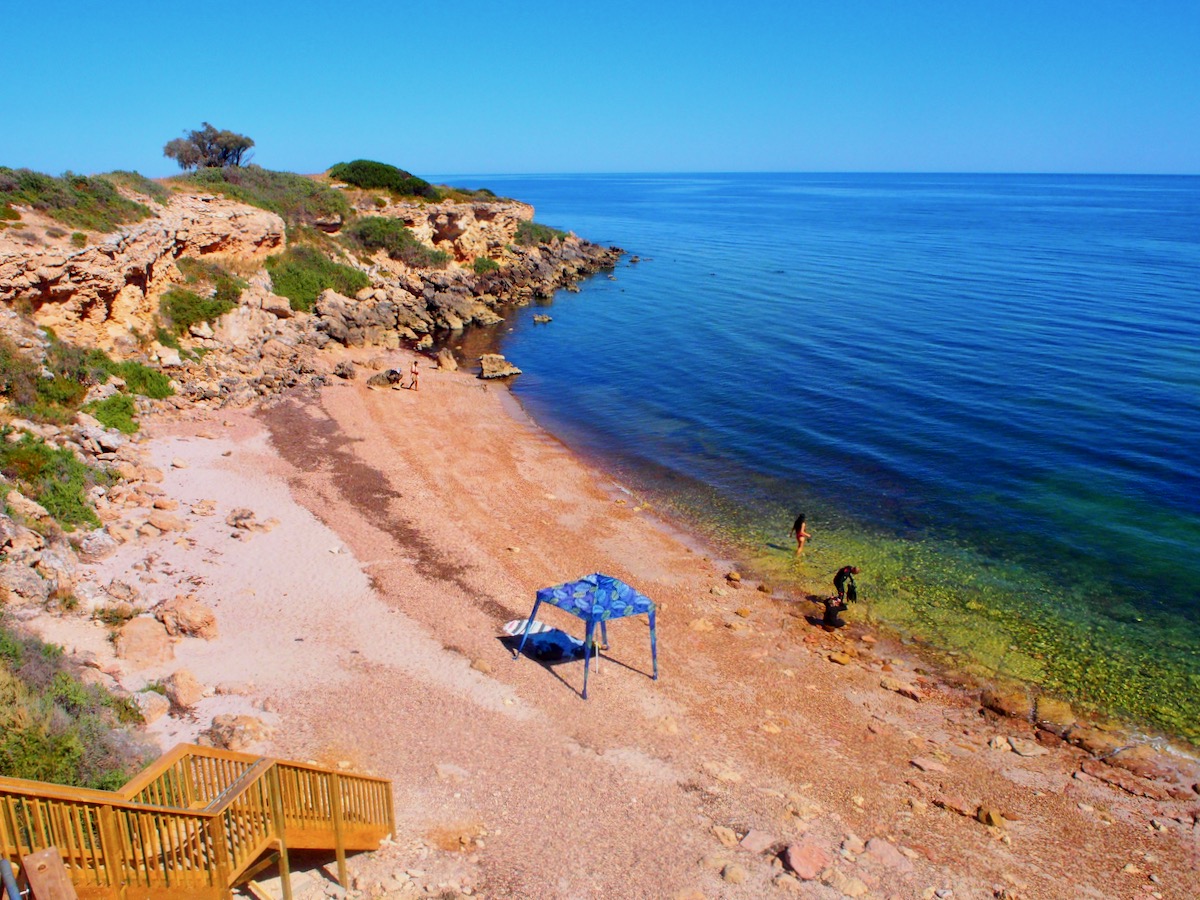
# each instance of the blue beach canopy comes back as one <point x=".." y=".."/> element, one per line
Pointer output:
<point x="596" y="598"/>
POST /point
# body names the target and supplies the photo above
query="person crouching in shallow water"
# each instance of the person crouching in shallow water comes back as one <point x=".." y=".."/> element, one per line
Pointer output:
<point x="847" y="592"/>
<point x="800" y="533"/>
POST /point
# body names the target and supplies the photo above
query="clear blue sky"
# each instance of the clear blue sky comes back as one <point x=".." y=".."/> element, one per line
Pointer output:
<point x="649" y="86"/>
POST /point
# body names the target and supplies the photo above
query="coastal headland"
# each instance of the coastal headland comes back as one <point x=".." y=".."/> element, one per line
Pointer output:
<point x="317" y="562"/>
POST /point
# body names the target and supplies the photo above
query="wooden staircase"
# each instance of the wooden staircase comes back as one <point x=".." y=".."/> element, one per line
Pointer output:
<point x="196" y="823"/>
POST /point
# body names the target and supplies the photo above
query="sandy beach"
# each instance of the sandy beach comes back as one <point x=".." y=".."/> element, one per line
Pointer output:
<point x="362" y="622"/>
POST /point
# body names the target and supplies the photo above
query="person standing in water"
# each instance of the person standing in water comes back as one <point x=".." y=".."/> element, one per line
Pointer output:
<point x="800" y="533"/>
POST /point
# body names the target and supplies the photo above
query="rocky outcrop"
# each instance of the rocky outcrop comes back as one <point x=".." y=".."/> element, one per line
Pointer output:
<point x="494" y="365"/>
<point x="96" y="294"/>
<point x="465" y="231"/>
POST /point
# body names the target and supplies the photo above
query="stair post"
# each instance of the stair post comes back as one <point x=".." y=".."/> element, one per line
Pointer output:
<point x="112" y="848"/>
<point x="339" y="835"/>
<point x="285" y="872"/>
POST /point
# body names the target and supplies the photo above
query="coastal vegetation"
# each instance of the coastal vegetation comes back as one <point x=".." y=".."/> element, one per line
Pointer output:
<point x="55" y="391"/>
<point x="483" y="265"/>
<point x="530" y="234"/>
<point x="212" y="290"/>
<point x="297" y="199"/>
<point x="55" y="728"/>
<point x="52" y="477"/>
<point x="368" y="174"/>
<point x="80" y="201"/>
<point x="209" y="147"/>
<point x="395" y="239"/>
<point x="302" y="272"/>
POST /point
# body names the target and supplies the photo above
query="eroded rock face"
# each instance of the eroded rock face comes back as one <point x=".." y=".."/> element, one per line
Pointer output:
<point x="464" y="230"/>
<point x="92" y="295"/>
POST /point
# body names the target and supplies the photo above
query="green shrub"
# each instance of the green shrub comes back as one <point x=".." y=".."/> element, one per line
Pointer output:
<point x="53" y="477"/>
<point x="143" y="380"/>
<point x="53" y="727"/>
<point x="466" y="195"/>
<point x="7" y="213"/>
<point x="297" y="199"/>
<point x="302" y="273"/>
<point x="483" y="265"/>
<point x="394" y="238"/>
<point x="183" y="308"/>
<point x="530" y="234"/>
<point x="225" y="287"/>
<point x="368" y="174"/>
<point x="78" y="239"/>
<point x="77" y="200"/>
<point x="117" y="411"/>
<point x="18" y="374"/>
<point x="55" y="233"/>
<point x="139" y="184"/>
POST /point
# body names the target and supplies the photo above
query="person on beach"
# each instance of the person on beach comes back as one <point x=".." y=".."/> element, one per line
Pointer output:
<point x="800" y="533"/>
<point x="843" y="583"/>
<point x="412" y="371"/>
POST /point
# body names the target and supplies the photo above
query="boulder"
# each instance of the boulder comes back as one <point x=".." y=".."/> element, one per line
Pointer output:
<point x="446" y="360"/>
<point x="16" y="539"/>
<point x="164" y="521"/>
<point x="1008" y="702"/>
<point x="27" y="509"/>
<point x="152" y="705"/>
<point x="144" y="642"/>
<point x="807" y="859"/>
<point x="184" y="615"/>
<point x="94" y="546"/>
<point x="183" y="690"/>
<point x="237" y="733"/>
<point x="24" y="583"/>
<point x="494" y="365"/>
<point x="386" y="378"/>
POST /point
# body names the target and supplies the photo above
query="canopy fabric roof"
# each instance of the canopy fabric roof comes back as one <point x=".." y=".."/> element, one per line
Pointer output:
<point x="596" y="598"/>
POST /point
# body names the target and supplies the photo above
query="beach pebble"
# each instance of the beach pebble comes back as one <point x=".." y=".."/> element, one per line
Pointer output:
<point x="757" y="841"/>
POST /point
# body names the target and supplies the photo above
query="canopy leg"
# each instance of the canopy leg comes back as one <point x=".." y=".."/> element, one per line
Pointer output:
<point x="528" y="625"/>
<point x="587" y="654"/>
<point x="603" y="636"/>
<point x="653" y="645"/>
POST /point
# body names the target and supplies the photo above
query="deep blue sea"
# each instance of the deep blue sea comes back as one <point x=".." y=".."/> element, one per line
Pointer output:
<point x="984" y="390"/>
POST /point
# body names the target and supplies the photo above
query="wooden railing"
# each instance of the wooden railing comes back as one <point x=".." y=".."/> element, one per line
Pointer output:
<point x="194" y="822"/>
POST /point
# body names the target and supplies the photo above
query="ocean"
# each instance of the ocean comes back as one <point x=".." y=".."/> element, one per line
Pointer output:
<point x="983" y="390"/>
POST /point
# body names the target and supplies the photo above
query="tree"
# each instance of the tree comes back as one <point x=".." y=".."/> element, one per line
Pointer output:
<point x="209" y="148"/>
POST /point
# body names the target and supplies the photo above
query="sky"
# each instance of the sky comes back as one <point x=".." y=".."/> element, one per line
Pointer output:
<point x="1087" y="86"/>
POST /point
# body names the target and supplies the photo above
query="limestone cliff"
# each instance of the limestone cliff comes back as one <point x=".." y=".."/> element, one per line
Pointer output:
<point x="99" y="294"/>
<point x="107" y="294"/>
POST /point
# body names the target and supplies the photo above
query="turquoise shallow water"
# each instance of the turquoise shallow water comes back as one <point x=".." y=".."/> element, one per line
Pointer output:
<point x="983" y="390"/>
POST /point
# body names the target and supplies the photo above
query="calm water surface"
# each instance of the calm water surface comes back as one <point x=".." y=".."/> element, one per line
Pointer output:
<point x="983" y="390"/>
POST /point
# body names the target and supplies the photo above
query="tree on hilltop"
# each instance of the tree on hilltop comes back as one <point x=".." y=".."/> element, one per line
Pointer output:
<point x="209" y="148"/>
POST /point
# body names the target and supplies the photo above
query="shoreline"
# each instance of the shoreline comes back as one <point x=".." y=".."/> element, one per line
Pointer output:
<point x="365" y="629"/>
<point x="958" y="665"/>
